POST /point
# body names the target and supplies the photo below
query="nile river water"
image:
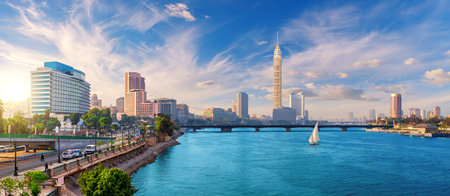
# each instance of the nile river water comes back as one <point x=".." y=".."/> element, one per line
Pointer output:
<point x="274" y="162"/>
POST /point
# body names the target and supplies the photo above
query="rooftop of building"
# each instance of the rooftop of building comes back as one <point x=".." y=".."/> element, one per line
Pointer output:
<point x="61" y="67"/>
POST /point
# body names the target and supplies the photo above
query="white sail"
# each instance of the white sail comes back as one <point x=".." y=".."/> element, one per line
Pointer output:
<point x="314" y="138"/>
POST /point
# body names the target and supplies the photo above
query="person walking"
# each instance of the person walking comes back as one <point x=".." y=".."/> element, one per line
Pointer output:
<point x="42" y="158"/>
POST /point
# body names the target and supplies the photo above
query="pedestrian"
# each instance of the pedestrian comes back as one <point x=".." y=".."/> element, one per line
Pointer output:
<point x="34" y="150"/>
<point x="46" y="166"/>
<point x="42" y="158"/>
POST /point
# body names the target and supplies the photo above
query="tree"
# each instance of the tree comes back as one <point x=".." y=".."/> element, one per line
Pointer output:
<point x="39" y="127"/>
<point x="102" y="181"/>
<point x="163" y="126"/>
<point x="33" y="179"/>
<point x="52" y="123"/>
<point x="74" y="118"/>
<point x="46" y="114"/>
<point x="2" y="109"/>
<point x="18" y="124"/>
<point x="105" y="122"/>
<point x="9" y="185"/>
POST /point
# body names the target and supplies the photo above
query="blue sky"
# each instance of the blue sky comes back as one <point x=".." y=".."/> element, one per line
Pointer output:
<point x="345" y="56"/>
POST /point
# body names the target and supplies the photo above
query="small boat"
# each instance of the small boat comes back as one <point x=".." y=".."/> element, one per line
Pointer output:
<point x="314" y="138"/>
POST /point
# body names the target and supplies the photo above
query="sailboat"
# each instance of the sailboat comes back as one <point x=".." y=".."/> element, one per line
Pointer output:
<point x="314" y="138"/>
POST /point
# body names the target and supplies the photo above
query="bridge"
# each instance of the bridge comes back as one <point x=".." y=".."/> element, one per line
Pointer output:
<point x="229" y="128"/>
<point x="48" y="141"/>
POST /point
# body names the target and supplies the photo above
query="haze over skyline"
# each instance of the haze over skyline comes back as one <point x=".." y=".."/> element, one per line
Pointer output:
<point x="343" y="56"/>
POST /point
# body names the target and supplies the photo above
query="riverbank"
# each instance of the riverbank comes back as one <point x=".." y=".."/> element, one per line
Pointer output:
<point x="130" y="166"/>
<point x="409" y="132"/>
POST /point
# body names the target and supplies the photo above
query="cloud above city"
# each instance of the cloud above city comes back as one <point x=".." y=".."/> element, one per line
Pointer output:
<point x="202" y="54"/>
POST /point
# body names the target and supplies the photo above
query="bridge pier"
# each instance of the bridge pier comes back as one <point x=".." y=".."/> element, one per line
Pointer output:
<point x="288" y="129"/>
<point x="256" y="129"/>
<point x="343" y="129"/>
<point x="223" y="129"/>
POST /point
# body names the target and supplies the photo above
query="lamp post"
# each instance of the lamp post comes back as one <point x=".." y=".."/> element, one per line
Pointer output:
<point x="15" y="151"/>
<point x="59" y="145"/>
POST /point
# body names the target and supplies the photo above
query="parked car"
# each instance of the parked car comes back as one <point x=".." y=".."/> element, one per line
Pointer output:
<point x="3" y="148"/>
<point x="89" y="149"/>
<point x="67" y="154"/>
<point x="76" y="152"/>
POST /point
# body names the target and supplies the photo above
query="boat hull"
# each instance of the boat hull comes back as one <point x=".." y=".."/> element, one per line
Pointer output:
<point x="314" y="144"/>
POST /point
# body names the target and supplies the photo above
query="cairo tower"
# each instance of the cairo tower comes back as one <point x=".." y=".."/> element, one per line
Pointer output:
<point x="277" y="77"/>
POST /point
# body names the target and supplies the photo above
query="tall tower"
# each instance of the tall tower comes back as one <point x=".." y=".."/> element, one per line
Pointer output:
<point x="396" y="105"/>
<point x="242" y="105"/>
<point x="277" y="77"/>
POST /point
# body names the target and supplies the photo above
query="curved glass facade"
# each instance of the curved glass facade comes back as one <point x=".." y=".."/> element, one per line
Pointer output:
<point x="60" y="88"/>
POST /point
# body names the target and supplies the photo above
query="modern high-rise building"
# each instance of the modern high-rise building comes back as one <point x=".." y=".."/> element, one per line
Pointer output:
<point x="168" y="106"/>
<point x="134" y="81"/>
<point x="234" y="106"/>
<point x="396" y="106"/>
<point x="59" y="88"/>
<point x="306" y="116"/>
<point x="120" y="104"/>
<point x="135" y="100"/>
<point x="437" y="112"/>
<point x="284" y="114"/>
<point x="95" y="102"/>
<point x="294" y="103"/>
<point x="350" y="116"/>
<point x="183" y="112"/>
<point x="423" y="114"/>
<point x="242" y="105"/>
<point x="277" y="77"/>
<point x="414" y="111"/>
<point x="372" y="114"/>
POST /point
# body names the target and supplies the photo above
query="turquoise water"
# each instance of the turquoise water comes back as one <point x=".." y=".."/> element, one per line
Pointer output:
<point x="274" y="162"/>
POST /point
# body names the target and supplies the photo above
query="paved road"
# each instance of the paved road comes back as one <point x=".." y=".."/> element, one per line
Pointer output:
<point x="7" y="169"/>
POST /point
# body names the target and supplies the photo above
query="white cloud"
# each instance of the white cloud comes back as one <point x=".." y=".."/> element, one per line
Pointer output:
<point x="447" y="52"/>
<point x="206" y="84"/>
<point x="312" y="74"/>
<point x="179" y="10"/>
<point x="368" y="63"/>
<point x="206" y="16"/>
<point x="261" y="43"/>
<point x="342" y="92"/>
<point x="292" y="73"/>
<point x="410" y="61"/>
<point x="437" y="77"/>
<point x="310" y="85"/>
<point x="342" y="75"/>
<point x="398" y="88"/>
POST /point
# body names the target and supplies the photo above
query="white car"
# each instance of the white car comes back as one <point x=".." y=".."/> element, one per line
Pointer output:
<point x="89" y="149"/>
<point x="67" y="154"/>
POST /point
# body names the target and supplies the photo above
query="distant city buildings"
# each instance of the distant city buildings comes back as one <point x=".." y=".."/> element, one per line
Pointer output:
<point x="372" y="114"/>
<point x="277" y="77"/>
<point x="120" y="104"/>
<point x="183" y="112"/>
<point x="396" y="106"/>
<point x="242" y="105"/>
<point x="95" y="102"/>
<point x="167" y="106"/>
<point x="297" y="102"/>
<point x="284" y="114"/>
<point x="59" y="88"/>
<point x="414" y="111"/>
<point x="219" y="115"/>
<point x="437" y="112"/>
<point x="350" y="116"/>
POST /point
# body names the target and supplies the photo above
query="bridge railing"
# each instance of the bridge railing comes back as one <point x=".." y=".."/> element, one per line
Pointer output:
<point x="30" y="136"/>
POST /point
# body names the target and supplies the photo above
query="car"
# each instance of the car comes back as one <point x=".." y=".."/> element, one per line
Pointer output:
<point x="89" y="149"/>
<point x="67" y="154"/>
<point x="76" y="152"/>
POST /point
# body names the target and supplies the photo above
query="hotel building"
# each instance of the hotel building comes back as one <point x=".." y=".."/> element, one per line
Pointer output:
<point x="59" y="88"/>
<point x="396" y="106"/>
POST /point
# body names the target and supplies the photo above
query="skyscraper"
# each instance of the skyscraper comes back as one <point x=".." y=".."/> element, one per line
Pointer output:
<point x="277" y="86"/>
<point x="396" y="105"/>
<point x="134" y="81"/>
<point x="297" y="102"/>
<point x="59" y="88"/>
<point x="95" y="102"/>
<point x="234" y="107"/>
<point x="372" y="114"/>
<point x="120" y="103"/>
<point x="437" y="112"/>
<point x="350" y="116"/>
<point x="242" y="105"/>
<point x="423" y="114"/>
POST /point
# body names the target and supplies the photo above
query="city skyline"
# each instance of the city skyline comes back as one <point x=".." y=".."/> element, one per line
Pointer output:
<point x="335" y="54"/>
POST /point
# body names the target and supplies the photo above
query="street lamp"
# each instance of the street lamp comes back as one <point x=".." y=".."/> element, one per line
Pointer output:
<point x="15" y="150"/>
<point x="59" y="145"/>
<point x="121" y="128"/>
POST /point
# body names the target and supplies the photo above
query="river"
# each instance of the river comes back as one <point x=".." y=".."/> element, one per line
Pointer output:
<point x="274" y="162"/>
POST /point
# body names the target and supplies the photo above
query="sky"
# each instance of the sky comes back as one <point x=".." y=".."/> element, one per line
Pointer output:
<point x="344" y="56"/>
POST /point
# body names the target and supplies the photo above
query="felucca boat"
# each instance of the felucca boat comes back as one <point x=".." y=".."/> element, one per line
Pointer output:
<point x="314" y="138"/>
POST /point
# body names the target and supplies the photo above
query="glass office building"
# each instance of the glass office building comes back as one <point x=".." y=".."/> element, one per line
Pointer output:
<point x="59" y="88"/>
